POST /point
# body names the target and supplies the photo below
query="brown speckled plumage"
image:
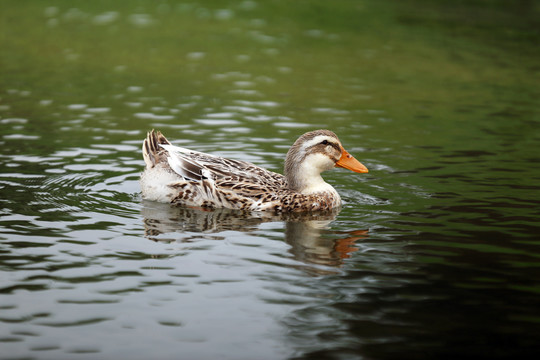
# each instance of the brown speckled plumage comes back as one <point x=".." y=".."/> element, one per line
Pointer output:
<point x="185" y="177"/>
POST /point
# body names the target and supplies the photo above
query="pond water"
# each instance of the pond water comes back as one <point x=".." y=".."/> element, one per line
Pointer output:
<point x="434" y="254"/>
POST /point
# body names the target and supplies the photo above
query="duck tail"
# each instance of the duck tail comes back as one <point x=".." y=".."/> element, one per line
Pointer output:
<point x="151" y="148"/>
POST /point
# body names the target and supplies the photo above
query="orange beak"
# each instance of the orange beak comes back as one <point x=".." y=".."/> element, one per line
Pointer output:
<point x="347" y="161"/>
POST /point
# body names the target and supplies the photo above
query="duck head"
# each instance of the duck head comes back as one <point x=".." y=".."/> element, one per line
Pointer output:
<point x="313" y="153"/>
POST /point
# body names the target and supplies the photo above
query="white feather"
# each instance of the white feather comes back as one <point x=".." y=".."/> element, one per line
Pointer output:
<point x="317" y="140"/>
<point x="178" y="161"/>
<point x="310" y="173"/>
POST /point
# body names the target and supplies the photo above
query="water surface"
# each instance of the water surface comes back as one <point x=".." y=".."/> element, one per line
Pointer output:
<point x="434" y="254"/>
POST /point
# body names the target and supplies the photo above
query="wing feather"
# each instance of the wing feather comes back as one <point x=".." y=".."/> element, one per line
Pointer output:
<point x="181" y="164"/>
<point x="194" y="165"/>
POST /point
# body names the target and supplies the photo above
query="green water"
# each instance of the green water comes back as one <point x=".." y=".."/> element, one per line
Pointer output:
<point x="435" y="253"/>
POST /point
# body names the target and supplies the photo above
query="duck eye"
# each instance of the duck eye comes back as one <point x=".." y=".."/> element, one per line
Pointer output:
<point x="324" y="142"/>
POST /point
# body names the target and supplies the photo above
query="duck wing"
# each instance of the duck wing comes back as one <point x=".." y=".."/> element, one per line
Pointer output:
<point x="196" y="166"/>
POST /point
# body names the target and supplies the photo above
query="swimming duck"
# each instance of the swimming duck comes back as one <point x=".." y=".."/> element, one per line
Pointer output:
<point x="181" y="176"/>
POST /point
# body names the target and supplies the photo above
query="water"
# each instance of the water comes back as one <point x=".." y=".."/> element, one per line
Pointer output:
<point x="434" y="254"/>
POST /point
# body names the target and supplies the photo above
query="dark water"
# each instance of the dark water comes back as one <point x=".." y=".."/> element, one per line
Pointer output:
<point x="435" y="253"/>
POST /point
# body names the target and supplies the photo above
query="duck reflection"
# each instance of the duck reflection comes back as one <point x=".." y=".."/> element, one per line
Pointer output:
<point x="309" y="234"/>
<point x="312" y="242"/>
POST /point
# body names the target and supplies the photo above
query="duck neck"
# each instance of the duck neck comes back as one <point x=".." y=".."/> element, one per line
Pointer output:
<point x="305" y="179"/>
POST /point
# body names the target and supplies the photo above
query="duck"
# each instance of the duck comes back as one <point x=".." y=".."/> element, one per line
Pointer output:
<point x="185" y="177"/>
